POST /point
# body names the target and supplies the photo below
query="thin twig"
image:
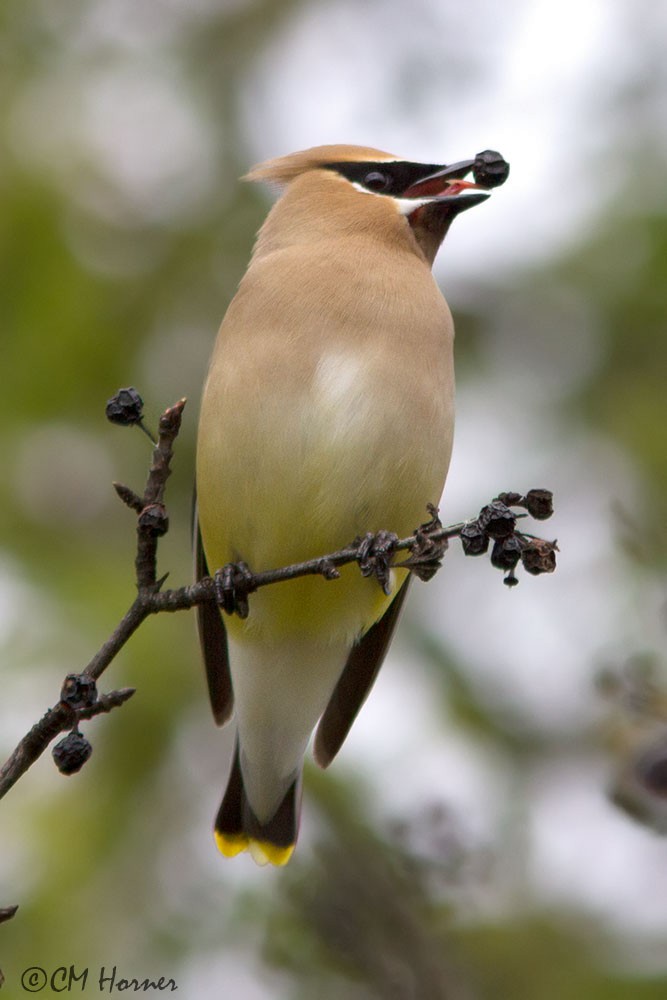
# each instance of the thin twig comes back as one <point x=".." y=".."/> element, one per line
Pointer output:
<point x="7" y="912"/>
<point x="204" y="590"/>
<point x="426" y="547"/>
<point x="61" y="716"/>
<point x="152" y="520"/>
<point x="106" y="703"/>
<point x="55" y="720"/>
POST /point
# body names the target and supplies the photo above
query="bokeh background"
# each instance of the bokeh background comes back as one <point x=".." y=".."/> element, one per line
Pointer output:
<point x="483" y="834"/>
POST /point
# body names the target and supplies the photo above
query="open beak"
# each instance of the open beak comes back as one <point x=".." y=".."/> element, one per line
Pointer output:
<point x="447" y="185"/>
<point x="432" y="202"/>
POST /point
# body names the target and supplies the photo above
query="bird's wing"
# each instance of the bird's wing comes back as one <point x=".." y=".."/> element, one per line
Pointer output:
<point x="355" y="682"/>
<point x="213" y="640"/>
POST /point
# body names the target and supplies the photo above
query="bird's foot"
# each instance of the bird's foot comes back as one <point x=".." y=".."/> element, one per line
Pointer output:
<point x="374" y="555"/>
<point x="233" y="583"/>
<point x="428" y="548"/>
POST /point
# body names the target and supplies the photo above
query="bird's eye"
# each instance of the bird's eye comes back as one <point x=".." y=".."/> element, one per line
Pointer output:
<point x="376" y="181"/>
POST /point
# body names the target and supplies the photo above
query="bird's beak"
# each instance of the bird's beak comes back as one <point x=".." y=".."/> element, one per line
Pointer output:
<point x="446" y="185"/>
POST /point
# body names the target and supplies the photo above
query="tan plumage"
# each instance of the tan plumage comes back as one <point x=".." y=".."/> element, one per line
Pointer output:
<point x="283" y="169"/>
<point x="327" y="413"/>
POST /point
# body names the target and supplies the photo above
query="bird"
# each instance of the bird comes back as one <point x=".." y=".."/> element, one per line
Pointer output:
<point x="327" y="415"/>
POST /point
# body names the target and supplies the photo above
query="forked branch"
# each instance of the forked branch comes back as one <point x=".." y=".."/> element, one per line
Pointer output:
<point x="230" y="587"/>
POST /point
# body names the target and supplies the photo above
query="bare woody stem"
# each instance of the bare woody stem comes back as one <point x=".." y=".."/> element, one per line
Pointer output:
<point x="375" y="555"/>
<point x="152" y="522"/>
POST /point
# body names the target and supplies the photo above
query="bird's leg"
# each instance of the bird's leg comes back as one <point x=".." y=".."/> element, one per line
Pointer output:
<point x="233" y="583"/>
<point x="428" y="548"/>
<point x="374" y="554"/>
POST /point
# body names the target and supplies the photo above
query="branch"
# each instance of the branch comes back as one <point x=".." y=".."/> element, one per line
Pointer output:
<point x="54" y="721"/>
<point x="426" y="546"/>
<point x="151" y="524"/>
<point x="230" y="586"/>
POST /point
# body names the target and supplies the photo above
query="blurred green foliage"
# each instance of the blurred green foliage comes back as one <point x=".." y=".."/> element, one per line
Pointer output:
<point x="103" y="286"/>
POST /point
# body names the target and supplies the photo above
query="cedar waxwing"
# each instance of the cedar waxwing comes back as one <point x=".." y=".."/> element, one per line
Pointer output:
<point x="327" y="413"/>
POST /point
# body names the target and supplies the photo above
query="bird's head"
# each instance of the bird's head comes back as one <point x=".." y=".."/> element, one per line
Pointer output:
<point x="377" y="188"/>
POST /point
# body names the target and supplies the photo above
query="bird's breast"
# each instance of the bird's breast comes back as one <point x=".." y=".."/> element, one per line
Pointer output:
<point x="315" y="431"/>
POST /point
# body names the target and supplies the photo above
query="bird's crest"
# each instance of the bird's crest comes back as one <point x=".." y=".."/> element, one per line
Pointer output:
<point x="284" y="169"/>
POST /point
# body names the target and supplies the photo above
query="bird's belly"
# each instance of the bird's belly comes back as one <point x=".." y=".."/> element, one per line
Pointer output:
<point x="301" y="475"/>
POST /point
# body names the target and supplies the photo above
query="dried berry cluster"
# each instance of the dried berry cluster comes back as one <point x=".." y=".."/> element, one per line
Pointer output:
<point x="79" y="691"/>
<point x="497" y="522"/>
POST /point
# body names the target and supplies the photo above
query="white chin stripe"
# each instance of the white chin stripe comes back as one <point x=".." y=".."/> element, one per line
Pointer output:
<point x="406" y="206"/>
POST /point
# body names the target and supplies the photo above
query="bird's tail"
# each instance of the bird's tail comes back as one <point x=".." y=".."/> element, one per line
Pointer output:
<point x="238" y="829"/>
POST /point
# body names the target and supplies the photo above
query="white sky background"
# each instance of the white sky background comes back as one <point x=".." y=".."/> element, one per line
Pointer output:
<point x="537" y="80"/>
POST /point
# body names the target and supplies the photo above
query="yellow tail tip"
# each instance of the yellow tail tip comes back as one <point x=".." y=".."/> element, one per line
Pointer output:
<point x="261" y="851"/>
<point x="231" y="844"/>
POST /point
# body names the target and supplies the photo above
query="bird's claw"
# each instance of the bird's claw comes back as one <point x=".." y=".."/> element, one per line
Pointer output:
<point x="426" y="551"/>
<point x="374" y="555"/>
<point x="233" y="583"/>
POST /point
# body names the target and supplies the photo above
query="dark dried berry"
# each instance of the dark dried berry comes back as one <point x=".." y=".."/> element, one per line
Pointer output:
<point x="79" y="691"/>
<point x="497" y="519"/>
<point x="474" y="539"/>
<point x="154" y="520"/>
<point x="71" y="753"/>
<point x="510" y="499"/>
<point x="125" y="408"/>
<point x="506" y="552"/>
<point x="539" y="556"/>
<point x="490" y="169"/>
<point x="539" y="504"/>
